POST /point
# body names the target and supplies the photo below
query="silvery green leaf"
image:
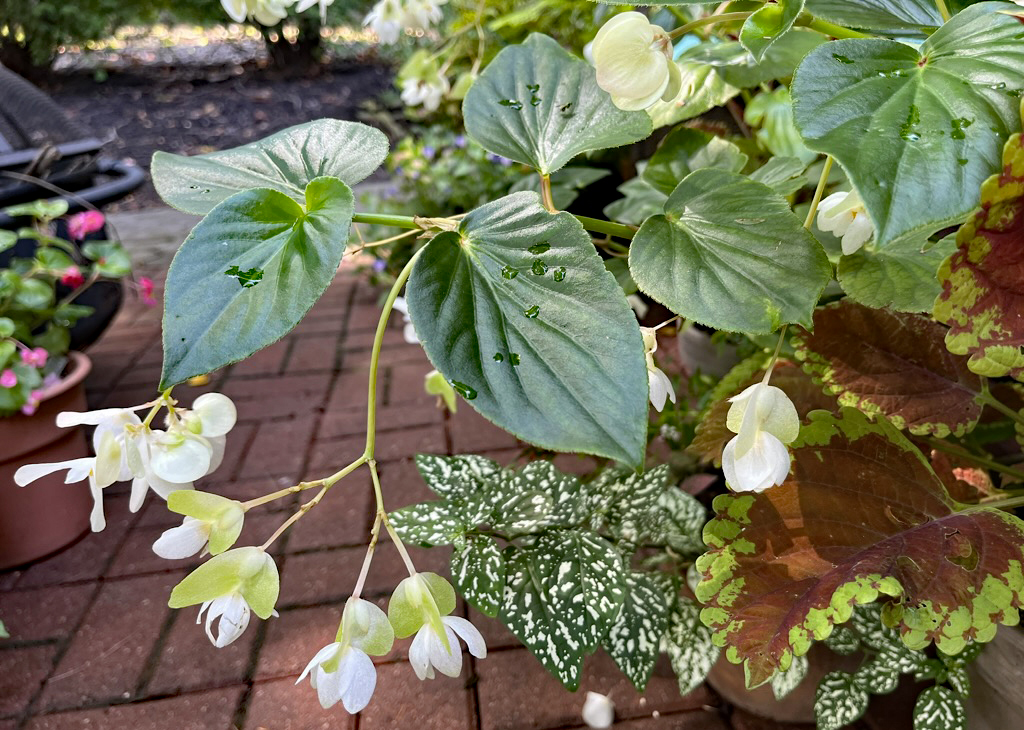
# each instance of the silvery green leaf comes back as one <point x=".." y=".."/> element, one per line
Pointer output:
<point x="478" y="570"/>
<point x="938" y="708"/>
<point x="449" y="476"/>
<point x="839" y="701"/>
<point x="877" y="677"/>
<point x="785" y="682"/>
<point x="688" y="645"/>
<point x="843" y="640"/>
<point x="634" y="640"/>
<point x="429" y="524"/>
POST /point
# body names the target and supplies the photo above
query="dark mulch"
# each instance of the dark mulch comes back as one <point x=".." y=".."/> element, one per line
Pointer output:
<point x="195" y="109"/>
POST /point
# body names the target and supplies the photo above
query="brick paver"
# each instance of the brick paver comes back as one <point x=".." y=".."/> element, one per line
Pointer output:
<point x="96" y="647"/>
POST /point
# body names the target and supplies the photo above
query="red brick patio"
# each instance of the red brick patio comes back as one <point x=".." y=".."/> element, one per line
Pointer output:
<point x="94" y="645"/>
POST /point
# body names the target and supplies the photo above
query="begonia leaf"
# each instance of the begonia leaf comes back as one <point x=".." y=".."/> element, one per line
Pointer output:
<point x="890" y="16"/>
<point x="538" y="104"/>
<point x="893" y="364"/>
<point x="916" y="129"/>
<point x="982" y="297"/>
<point x="901" y="276"/>
<point x="862" y="514"/>
<point x="766" y="25"/>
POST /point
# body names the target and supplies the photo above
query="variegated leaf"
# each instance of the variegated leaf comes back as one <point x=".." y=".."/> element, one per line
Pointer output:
<point x="478" y="570"/>
<point x="634" y="640"/>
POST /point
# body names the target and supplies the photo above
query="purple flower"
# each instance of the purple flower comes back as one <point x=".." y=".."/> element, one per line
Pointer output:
<point x="460" y="141"/>
<point x="379" y="265"/>
<point x="429" y="152"/>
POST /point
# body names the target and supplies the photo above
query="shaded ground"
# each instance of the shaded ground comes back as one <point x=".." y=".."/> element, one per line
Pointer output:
<point x="150" y="104"/>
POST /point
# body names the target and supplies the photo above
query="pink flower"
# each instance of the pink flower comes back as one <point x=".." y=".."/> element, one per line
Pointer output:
<point x="32" y="403"/>
<point x="72" y="277"/>
<point x="81" y="225"/>
<point x="146" y="289"/>
<point x="35" y="357"/>
<point x="8" y="379"/>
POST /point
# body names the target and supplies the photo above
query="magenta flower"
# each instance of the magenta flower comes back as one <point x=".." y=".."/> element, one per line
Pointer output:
<point x="72" y="277"/>
<point x="146" y="289"/>
<point x="81" y="225"/>
<point x="8" y="379"/>
<point x="35" y="357"/>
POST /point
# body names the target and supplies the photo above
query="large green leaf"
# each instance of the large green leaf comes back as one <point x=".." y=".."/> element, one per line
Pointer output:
<point x="561" y="597"/>
<point x="736" y="66"/>
<point x="901" y="276"/>
<point x="286" y="161"/>
<point x="538" y="104"/>
<point x="518" y="311"/>
<point x="703" y="88"/>
<point x="917" y="130"/>
<point x="685" y="150"/>
<point x="879" y="15"/>
<point x="248" y="273"/>
<point x="730" y="253"/>
<point x="768" y="24"/>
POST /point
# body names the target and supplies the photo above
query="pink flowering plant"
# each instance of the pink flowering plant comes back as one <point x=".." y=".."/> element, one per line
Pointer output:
<point x="38" y="296"/>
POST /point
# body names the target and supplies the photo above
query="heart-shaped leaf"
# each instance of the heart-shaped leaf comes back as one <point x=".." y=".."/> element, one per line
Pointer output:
<point x="702" y="89"/>
<point x="685" y="150"/>
<point x="879" y="15"/>
<point x="725" y="238"/>
<point x="538" y="104"/>
<point x="917" y="130"/>
<point x="737" y="67"/>
<point x="286" y="161"/>
<point x="862" y="514"/>
<point x="982" y="297"/>
<point x="892" y="364"/>
<point x="248" y="273"/>
<point x="518" y="311"/>
<point x="901" y="276"/>
<point x="766" y="25"/>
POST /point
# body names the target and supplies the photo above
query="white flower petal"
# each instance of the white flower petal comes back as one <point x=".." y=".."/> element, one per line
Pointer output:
<point x="217" y="414"/>
<point x="109" y="454"/>
<point x="79" y="468"/>
<point x="359" y="679"/>
<point x="469" y="633"/>
<point x="449" y="663"/>
<point x="181" y="457"/>
<point x="183" y="541"/>
<point x="140" y="487"/>
<point x="859" y="233"/>
<point x="324" y="655"/>
<point x="233" y="612"/>
<point x="96" y="519"/>
<point x="764" y="465"/>
<point x="113" y="416"/>
<point x="598" y="710"/>
<point x="419" y="652"/>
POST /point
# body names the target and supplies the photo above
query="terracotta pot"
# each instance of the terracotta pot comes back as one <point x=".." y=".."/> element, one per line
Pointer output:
<point x="46" y="515"/>
<point x="995" y="702"/>
<point x="798" y="706"/>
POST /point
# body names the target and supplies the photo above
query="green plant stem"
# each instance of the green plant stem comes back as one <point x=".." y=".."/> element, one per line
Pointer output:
<point x="612" y="229"/>
<point x="946" y="447"/>
<point x="943" y="10"/>
<point x="830" y="29"/>
<point x="986" y="398"/>
<point x="378" y="339"/>
<point x="545" y="194"/>
<point x="1008" y="503"/>
<point x="382" y="513"/>
<point x="374" y="534"/>
<point x="295" y="517"/>
<point x="380" y="219"/>
<point x="819" y="192"/>
<point x="708" y="20"/>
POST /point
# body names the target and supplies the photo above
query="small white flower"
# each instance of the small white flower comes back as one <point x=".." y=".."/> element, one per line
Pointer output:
<point x="211" y="523"/>
<point x="428" y="93"/>
<point x="659" y="384"/>
<point x="386" y="19"/>
<point x="844" y="215"/>
<point x="343" y="671"/>
<point x="409" y="333"/>
<point x="233" y="612"/>
<point x="598" y="710"/>
<point x="634" y="62"/>
<point x="428" y="653"/>
<point x="183" y="541"/>
<point x="265" y="12"/>
<point x="304" y="5"/>
<point x="765" y="420"/>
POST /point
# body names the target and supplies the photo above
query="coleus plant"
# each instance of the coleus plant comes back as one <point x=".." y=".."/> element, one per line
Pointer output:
<point x="864" y="508"/>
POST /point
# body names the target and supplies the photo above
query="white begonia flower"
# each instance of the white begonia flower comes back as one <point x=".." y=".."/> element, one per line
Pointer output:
<point x="343" y="671"/>
<point x="428" y="93"/>
<point x="421" y="604"/>
<point x="598" y="710"/>
<point x="303" y="5"/>
<point x="386" y="19"/>
<point x="211" y="521"/>
<point x="409" y="332"/>
<point x="844" y="215"/>
<point x="634" y="62"/>
<point x="265" y="12"/>
<point x="230" y="586"/>
<point x="765" y="420"/>
<point x="659" y="384"/>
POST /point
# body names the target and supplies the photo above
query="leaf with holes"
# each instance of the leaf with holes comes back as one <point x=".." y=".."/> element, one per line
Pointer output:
<point x="768" y="24"/>
<point x="540" y="105"/>
<point x="839" y="701"/>
<point x="892" y="364"/>
<point x="211" y="318"/>
<point x="862" y="514"/>
<point x="901" y="276"/>
<point x="938" y="708"/>
<point x="517" y="308"/>
<point x="286" y="162"/>
<point x="562" y="595"/>
<point x="634" y="640"/>
<point x="917" y="130"/>
<point x="689" y="645"/>
<point x="726" y="238"/>
<point x="478" y="569"/>
<point x="982" y="297"/>
<point x="785" y="682"/>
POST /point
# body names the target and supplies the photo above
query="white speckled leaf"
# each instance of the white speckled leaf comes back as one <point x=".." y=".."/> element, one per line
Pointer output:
<point x="561" y="597"/>
<point x="683" y="519"/>
<point x="478" y="569"/>
<point x="634" y="641"/>
<point x="688" y="645"/>
<point x="563" y="490"/>
<point x="429" y="524"/>
<point x="839" y="701"/>
<point x="785" y="682"/>
<point x="877" y="677"/>
<point x="938" y="708"/>
<point x="618" y="494"/>
<point x="449" y="476"/>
